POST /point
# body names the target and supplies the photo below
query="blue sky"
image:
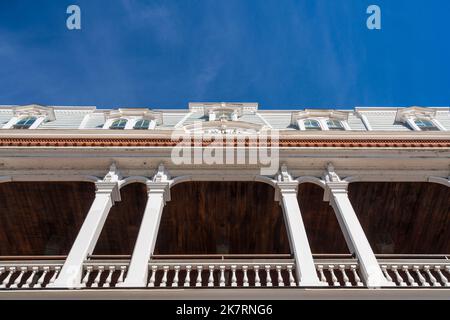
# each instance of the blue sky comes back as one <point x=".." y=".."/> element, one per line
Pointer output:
<point x="280" y="53"/>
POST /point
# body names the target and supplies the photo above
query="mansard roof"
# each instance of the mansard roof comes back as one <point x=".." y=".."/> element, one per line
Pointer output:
<point x="357" y="119"/>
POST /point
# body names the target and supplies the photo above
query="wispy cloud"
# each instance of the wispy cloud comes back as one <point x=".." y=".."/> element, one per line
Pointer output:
<point x="160" y="18"/>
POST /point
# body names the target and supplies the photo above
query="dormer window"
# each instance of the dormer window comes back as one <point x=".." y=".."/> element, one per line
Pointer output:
<point x="142" y="124"/>
<point x="419" y="119"/>
<point x="311" y="124"/>
<point x="335" y="125"/>
<point x="25" y="123"/>
<point x="318" y="120"/>
<point x="119" y="124"/>
<point x="223" y="112"/>
<point x="132" y="119"/>
<point x="426" y="125"/>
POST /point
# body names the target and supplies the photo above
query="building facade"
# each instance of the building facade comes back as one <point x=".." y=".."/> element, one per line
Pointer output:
<point x="224" y="200"/>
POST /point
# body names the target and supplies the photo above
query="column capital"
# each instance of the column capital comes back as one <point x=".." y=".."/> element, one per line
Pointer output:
<point x="334" y="188"/>
<point x="287" y="186"/>
<point x="107" y="187"/>
<point x="159" y="188"/>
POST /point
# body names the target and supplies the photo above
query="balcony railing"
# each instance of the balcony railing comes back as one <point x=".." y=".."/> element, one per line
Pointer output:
<point x="221" y="271"/>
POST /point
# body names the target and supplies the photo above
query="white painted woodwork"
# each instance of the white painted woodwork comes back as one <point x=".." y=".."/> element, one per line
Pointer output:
<point x="245" y="278"/>
<point x="175" y="277"/>
<point x="158" y="194"/>
<point x="187" y="279"/>
<point x="70" y="276"/>
<point x="304" y="263"/>
<point x="355" y="236"/>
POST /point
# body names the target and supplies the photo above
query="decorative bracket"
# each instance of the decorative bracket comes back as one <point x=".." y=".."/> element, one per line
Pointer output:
<point x="333" y="183"/>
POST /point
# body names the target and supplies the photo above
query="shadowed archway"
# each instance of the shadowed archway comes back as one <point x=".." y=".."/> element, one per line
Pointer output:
<point x="322" y="227"/>
<point x="42" y="218"/>
<point x="403" y="217"/>
<point x="222" y="218"/>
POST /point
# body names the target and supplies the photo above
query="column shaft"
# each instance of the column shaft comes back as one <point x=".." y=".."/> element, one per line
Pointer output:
<point x="304" y="263"/>
<point x="356" y="239"/>
<point x="148" y="232"/>
<point x="71" y="272"/>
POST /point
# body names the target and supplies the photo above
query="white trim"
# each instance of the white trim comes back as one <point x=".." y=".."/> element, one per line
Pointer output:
<point x="180" y="123"/>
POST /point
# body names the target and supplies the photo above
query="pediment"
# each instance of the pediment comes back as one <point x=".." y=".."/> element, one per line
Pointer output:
<point x="318" y="113"/>
<point x="35" y="110"/>
<point x="414" y="112"/>
<point x="143" y="113"/>
<point x="224" y="127"/>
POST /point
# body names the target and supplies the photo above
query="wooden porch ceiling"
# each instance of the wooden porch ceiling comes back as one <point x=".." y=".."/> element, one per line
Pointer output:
<point x="224" y="217"/>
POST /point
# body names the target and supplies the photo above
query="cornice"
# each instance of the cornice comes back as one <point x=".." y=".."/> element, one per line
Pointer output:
<point x="322" y="142"/>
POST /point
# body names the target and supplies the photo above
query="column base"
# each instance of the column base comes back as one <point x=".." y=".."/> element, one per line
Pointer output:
<point x="375" y="282"/>
<point x="312" y="284"/>
<point x="131" y="285"/>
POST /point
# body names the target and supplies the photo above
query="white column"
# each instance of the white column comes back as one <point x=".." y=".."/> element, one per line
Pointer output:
<point x="304" y="263"/>
<point x="70" y="276"/>
<point x="158" y="194"/>
<point x="354" y="235"/>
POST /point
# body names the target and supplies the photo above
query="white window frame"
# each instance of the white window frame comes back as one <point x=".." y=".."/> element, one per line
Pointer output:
<point x="322" y="123"/>
<point x="131" y="121"/>
<point x="39" y="119"/>
<point x="411" y="121"/>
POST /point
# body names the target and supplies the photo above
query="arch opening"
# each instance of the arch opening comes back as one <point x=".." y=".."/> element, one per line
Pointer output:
<point x="222" y="217"/>
<point x="322" y="227"/>
<point x="42" y="218"/>
<point x="119" y="234"/>
<point x="403" y="217"/>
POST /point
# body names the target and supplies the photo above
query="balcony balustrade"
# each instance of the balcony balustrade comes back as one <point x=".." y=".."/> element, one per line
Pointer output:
<point x="226" y="271"/>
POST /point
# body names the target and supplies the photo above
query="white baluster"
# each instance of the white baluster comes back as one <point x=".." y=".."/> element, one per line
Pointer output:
<point x="447" y="268"/>
<point x="356" y="276"/>
<point x="422" y="279"/>
<point x="187" y="280"/>
<point x="5" y="282"/>
<point x="291" y="276"/>
<point x="98" y="277"/>
<point x="198" y="282"/>
<point x="441" y="275"/>
<point x="151" y="282"/>
<point x="333" y="276"/>
<point x="433" y="280"/>
<point x="222" y="276"/>
<point x="347" y="282"/>
<point x="257" y="279"/>
<point x="19" y="278"/>
<point x="164" y="278"/>
<point x="279" y="276"/>
<point x="55" y="274"/>
<point x="122" y="273"/>
<point x="386" y="273"/>
<point x="411" y="280"/>
<point x="399" y="278"/>
<point x="245" y="279"/>
<point x="109" y="278"/>
<point x="2" y="270"/>
<point x="31" y="277"/>
<point x="175" y="277"/>
<point x="211" y="276"/>
<point x="86" y="277"/>
<point x="268" y="277"/>
<point x="322" y="274"/>
<point x="41" y="279"/>
<point x="233" y="276"/>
